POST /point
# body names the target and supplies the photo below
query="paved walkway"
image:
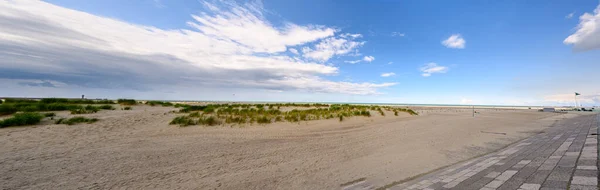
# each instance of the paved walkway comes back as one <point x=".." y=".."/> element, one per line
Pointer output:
<point x="564" y="157"/>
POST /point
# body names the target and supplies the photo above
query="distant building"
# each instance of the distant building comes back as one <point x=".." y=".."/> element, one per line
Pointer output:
<point x="549" y="110"/>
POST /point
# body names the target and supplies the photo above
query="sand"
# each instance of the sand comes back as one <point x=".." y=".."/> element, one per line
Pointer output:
<point x="138" y="149"/>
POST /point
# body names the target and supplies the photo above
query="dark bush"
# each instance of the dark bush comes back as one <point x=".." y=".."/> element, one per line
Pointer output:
<point x="127" y="101"/>
<point x="7" y="109"/>
<point x="154" y="103"/>
<point x="51" y="114"/>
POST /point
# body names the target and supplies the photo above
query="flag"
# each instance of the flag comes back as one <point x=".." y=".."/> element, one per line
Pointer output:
<point x="577" y="94"/>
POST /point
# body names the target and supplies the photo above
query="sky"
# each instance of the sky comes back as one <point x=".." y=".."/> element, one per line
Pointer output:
<point x="513" y="52"/>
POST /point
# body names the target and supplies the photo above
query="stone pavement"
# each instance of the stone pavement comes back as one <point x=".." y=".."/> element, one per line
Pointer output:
<point x="563" y="157"/>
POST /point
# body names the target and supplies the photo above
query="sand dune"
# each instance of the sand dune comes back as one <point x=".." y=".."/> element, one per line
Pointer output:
<point x="138" y="149"/>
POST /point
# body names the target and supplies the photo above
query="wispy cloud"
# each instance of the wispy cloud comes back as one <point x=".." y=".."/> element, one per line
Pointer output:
<point x="294" y="51"/>
<point x="587" y="36"/>
<point x="368" y="58"/>
<point x="353" y="62"/>
<point x="158" y="4"/>
<point x="388" y="74"/>
<point x="455" y="41"/>
<point x="43" y="42"/>
<point x="389" y="63"/>
<point x="570" y="15"/>
<point x="431" y="68"/>
<point x="342" y="45"/>
<point x="394" y="34"/>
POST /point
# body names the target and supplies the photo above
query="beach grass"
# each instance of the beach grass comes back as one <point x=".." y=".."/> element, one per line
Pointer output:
<point x="271" y="113"/>
<point x="21" y="119"/>
<point x="76" y="120"/>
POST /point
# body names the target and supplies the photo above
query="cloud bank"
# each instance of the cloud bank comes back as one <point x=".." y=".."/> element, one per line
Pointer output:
<point x="587" y="36"/>
<point x="42" y="42"/>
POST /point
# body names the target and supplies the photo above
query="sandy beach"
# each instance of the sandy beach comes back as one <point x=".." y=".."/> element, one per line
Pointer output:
<point x="138" y="149"/>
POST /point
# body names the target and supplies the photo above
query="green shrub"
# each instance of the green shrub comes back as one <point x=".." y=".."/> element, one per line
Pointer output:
<point x="21" y="119"/>
<point x="85" y="110"/>
<point x="183" y="121"/>
<point x="54" y="100"/>
<point x="76" y="120"/>
<point x="263" y="120"/>
<point x="195" y="114"/>
<point x="7" y="109"/>
<point x="127" y="101"/>
<point x="106" y="107"/>
<point x="51" y="114"/>
<point x="127" y="108"/>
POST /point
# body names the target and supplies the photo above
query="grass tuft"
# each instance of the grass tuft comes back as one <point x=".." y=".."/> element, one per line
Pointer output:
<point x="76" y="120"/>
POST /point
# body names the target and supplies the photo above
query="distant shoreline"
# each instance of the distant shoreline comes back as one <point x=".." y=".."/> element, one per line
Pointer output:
<point x="353" y="103"/>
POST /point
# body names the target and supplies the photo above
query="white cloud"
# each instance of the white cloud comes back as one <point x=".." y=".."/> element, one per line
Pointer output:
<point x="41" y="41"/>
<point x="466" y="101"/>
<point x="587" y="36"/>
<point x="294" y="51"/>
<point x="431" y="68"/>
<point x="454" y="41"/>
<point x="368" y="58"/>
<point x="570" y="15"/>
<point x="332" y="46"/>
<point x="389" y="63"/>
<point x="397" y="34"/>
<point x="387" y="74"/>
<point x="353" y="62"/>
<point x="348" y="35"/>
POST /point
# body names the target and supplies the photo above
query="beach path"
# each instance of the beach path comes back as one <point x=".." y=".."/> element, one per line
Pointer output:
<point x="562" y="157"/>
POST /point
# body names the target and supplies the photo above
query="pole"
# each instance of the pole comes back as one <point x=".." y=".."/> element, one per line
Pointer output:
<point x="576" y="105"/>
<point x="473" y="111"/>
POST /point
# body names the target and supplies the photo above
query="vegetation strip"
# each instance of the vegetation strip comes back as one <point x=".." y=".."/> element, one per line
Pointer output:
<point x="215" y="114"/>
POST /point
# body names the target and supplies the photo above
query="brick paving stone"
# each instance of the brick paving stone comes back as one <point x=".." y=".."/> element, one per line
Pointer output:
<point x="561" y="174"/>
<point x="587" y="167"/>
<point x="580" y="180"/>
<point x="530" y="186"/>
<point x="586" y="173"/>
<point x="556" y="184"/>
<point x="582" y="187"/>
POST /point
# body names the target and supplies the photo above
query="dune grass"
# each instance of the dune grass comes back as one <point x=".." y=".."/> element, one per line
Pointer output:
<point x="270" y="113"/>
<point x="12" y="105"/>
<point x="76" y="120"/>
<point x="21" y="119"/>
<point x="164" y="104"/>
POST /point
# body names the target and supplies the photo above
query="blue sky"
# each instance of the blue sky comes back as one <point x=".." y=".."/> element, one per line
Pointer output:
<point x="438" y="52"/>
